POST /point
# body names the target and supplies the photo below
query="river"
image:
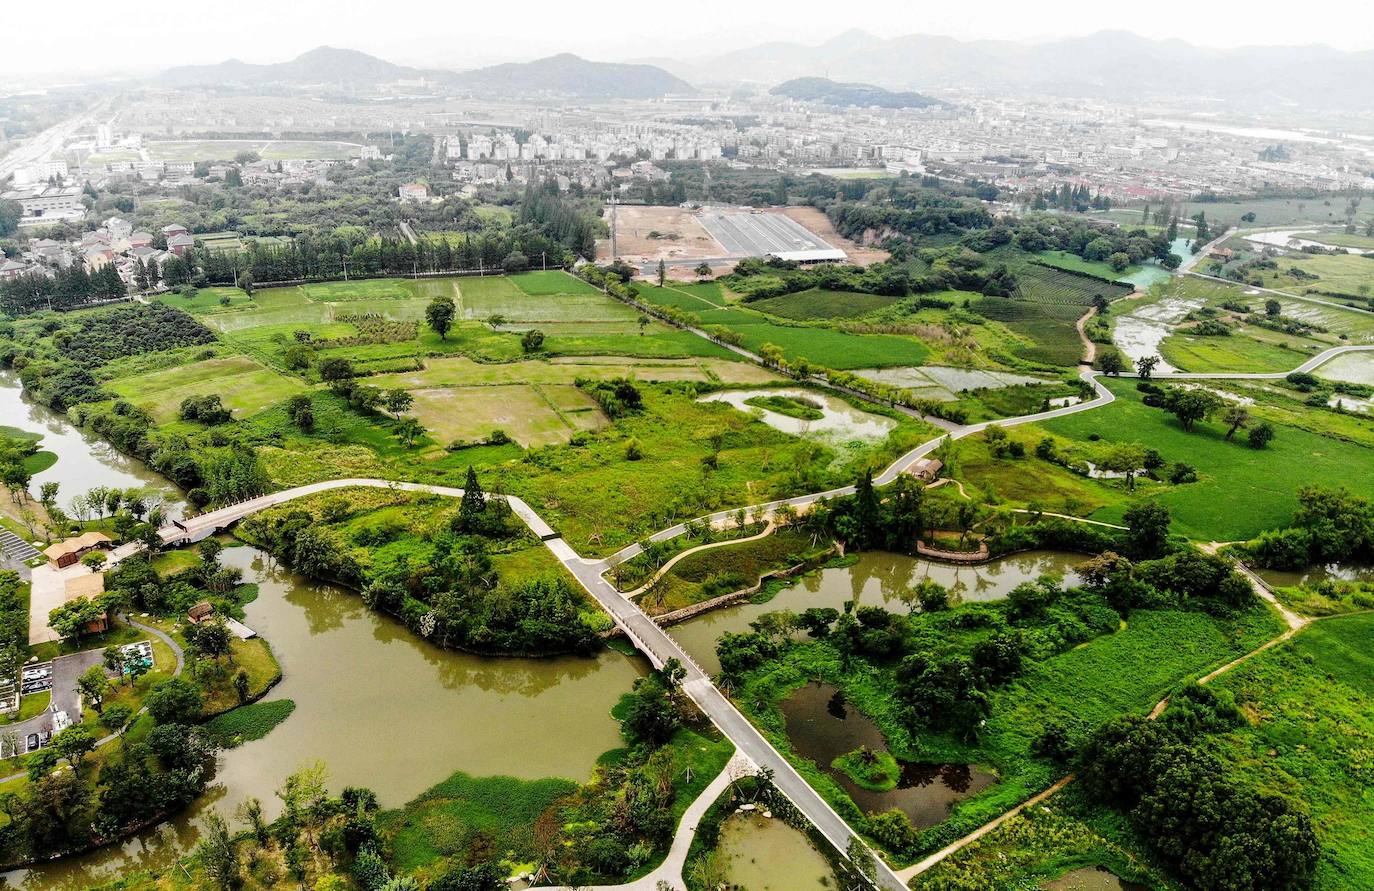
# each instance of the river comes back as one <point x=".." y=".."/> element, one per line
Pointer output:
<point x="84" y="459"/>
<point x="381" y="707"/>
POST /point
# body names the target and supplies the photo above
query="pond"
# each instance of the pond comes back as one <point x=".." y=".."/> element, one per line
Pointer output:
<point x="1140" y="333"/>
<point x="381" y="707"/>
<point x="877" y="578"/>
<point x="822" y="726"/>
<point x="1093" y="878"/>
<point x="1352" y="368"/>
<point x="1315" y="575"/>
<point x="840" y="421"/>
<point x="84" y="460"/>
<point x="763" y="854"/>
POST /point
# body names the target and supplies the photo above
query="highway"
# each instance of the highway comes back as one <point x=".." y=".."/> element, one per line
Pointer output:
<point x="40" y="147"/>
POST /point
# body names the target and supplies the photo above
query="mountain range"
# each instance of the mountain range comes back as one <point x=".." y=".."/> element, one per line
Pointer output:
<point x="562" y="75"/>
<point x="1109" y="65"/>
<point x="829" y="92"/>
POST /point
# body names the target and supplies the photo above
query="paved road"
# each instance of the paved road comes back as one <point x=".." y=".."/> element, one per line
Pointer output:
<point x="653" y="641"/>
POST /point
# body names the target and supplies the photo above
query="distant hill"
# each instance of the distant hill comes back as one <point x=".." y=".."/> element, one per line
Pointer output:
<point x="1112" y="65"/>
<point x="563" y="75"/>
<point x="324" y="64"/>
<point x="829" y="92"/>
<point x="569" y="75"/>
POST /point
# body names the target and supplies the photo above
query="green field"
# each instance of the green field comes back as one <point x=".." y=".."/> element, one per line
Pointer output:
<point x="1311" y="708"/>
<point x="818" y="303"/>
<point x="1241" y="491"/>
<point x="1049" y="328"/>
<point x="819" y="346"/>
<point x="241" y="384"/>
<point x="1350" y="274"/>
<point x="1075" y="263"/>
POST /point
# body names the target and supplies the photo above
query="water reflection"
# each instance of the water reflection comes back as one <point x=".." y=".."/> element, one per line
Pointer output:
<point x="382" y="709"/>
<point x="84" y="460"/>
<point x="877" y="578"/>
<point x="822" y="727"/>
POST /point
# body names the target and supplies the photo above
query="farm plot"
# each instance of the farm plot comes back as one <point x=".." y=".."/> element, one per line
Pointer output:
<point x="1049" y="327"/>
<point x="819" y="346"/>
<point x="457" y="371"/>
<point x="483" y="298"/>
<point x="1353" y="368"/>
<point x="241" y="383"/>
<point x="818" y="303"/>
<point x="470" y="414"/>
<point x="1043" y="284"/>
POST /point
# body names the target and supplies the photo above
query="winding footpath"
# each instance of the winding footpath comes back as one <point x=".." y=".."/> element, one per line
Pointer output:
<point x="656" y="644"/>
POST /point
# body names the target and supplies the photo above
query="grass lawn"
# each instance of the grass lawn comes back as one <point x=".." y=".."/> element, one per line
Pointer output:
<point x="725" y="569"/>
<point x="252" y="656"/>
<point x="1345" y="273"/>
<point x="1075" y="263"/>
<point x="1237" y="353"/>
<point x="30" y="706"/>
<point x="241" y="383"/>
<point x="1241" y="491"/>
<point x="820" y="346"/>
<point x="1310" y="703"/>
<point x="1340" y="239"/>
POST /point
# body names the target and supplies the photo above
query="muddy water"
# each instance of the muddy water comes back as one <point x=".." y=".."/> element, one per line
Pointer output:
<point x="1092" y="878"/>
<point x="877" y="579"/>
<point x="84" y="460"/>
<point x="1313" y="575"/>
<point x="763" y="854"/>
<point x="822" y="727"/>
<point x="841" y="422"/>
<point x="384" y="710"/>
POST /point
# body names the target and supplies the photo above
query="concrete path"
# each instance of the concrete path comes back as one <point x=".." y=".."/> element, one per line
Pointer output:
<point x="649" y="638"/>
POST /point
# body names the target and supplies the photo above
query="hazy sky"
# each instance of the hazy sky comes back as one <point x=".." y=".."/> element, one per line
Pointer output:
<point x="81" y="36"/>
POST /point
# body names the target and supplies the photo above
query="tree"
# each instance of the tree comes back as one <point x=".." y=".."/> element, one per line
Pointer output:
<point x="1272" y="308"/>
<point x="94" y="686"/>
<point x="217" y="854"/>
<point x="1147" y="529"/>
<point x="398" y="400"/>
<point x="1110" y="362"/>
<point x="662" y="273"/>
<point x="472" y="509"/>
<point x="1237" y="416"/>
<point x="210" y="638"/>
<point x="439" y="314"/>
<point x="175" y="701"/>
<point x="1261" y="435"/>
<point x="532" y="341"/>
<point x="1191" y="406"/>
<point x="1126" y="458"/>
<point x="74" y="744"/>
<point x="1145" y="366"/>
<point x="703" y="270"/>
<point x="116" y="717"/>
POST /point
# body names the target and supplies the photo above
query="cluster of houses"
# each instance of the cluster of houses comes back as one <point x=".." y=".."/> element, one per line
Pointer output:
<point x="115" y="242"/>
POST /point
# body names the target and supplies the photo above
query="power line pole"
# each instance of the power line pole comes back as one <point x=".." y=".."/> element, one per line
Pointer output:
<point x="615" y="253"/>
